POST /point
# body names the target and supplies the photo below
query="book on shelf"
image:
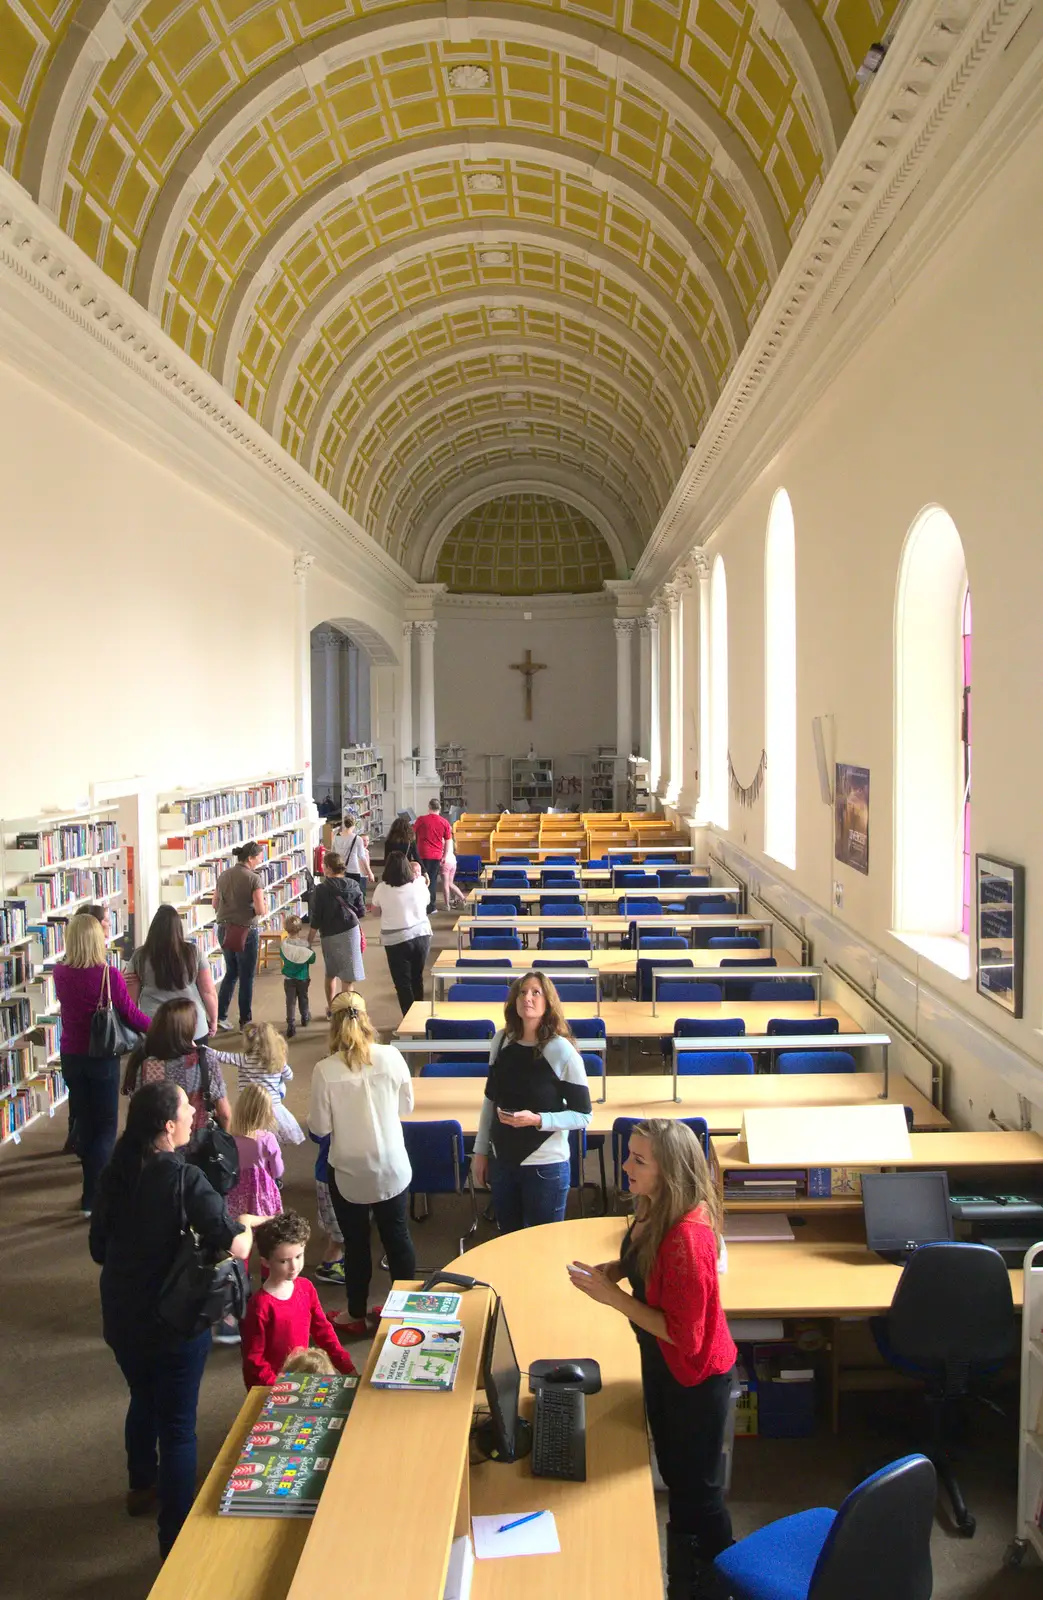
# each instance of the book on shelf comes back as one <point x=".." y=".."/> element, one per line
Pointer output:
<point x="14" y="921"/>
<point x="189" y="812"/>
<point x="419" y="1355"/>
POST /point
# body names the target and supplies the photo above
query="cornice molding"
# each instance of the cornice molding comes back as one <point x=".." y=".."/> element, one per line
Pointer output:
<point x="915" y="159"/>
<point x="124" y="369"/>
<point x="541" y="607"/>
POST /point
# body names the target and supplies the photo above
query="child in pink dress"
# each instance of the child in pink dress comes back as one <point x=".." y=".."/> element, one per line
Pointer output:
<point x="260" y="1158"/>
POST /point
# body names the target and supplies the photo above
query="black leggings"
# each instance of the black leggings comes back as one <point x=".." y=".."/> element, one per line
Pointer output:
<point x="392" y="1220"/>
<point x="688" y="1426"/>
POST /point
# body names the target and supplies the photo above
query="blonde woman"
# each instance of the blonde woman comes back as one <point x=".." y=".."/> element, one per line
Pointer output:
<point x="536" y="1091"/>
<point x="359" y="1094"/>
<point x="81" y="979"/>
<point x="260" y="1158"/>
<point x="669" y="1259"/>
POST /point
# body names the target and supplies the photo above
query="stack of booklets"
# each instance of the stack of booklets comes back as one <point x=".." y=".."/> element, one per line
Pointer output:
<point x="757" y="1183"/>
<point x="286" y="1457"/>
<point x="423" y="1351"/>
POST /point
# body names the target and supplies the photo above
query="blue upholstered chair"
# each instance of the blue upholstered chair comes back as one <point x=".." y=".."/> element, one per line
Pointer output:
<point x="440" y="1166"/>
<point x="681" y="878"/>
<point x="552" y="964"/>
<point x="784" y="1025"/>
<point x="515" y="877"/>
<point x="567" y="939"/>
<point x="501" y="939"/>
<point x="450" y="1028"/>
<point x="782" y="988"/>
<point x="709" y="1028"/>
<point x="468" y="869"/>
<point x="559" y="878"/>
<point x="482" y="961"/>
<point x="672" y="991"/>
<point x="704" y="905"/>
<point x="455" y="1069"/>
<point x="644" y="906"/>
<point x="715" y="1063"/>
<point x="742" y="988"/>
<point x="562" y="861"/>
<point x="591" y="1029"/>
<point x="594" y="1066"/>
<point x="492" y="993"/>
<point x="735" y="941"/>
<point x="634" y="878"/>
<point x="876" y="1547"/>
<point x="575" y="990"/>
<point x="659" y="941"/>
<point x="815" y="1061"/>
<point x="499" y="905"/>
<point x="561" y="908"/>
<point x="645" y="965"/>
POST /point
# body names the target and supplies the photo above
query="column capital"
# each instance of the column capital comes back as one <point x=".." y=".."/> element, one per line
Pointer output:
<point x="624" y="627"/>
<point x="407" y="628"/>
<point x="303" y="562"/>
<point x="670" y="596"/>
<point x="425" y="630"/>
<point x="644" y="624"/>
<point x="654" y="614"/>
<point x="699" y="568"/>
<point x="327" y="639"/>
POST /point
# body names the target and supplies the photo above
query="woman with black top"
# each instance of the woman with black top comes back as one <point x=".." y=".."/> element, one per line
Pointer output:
<point x="536" y="1091"/>
<point x="336" y="907"/>
<point x="134" y="1236"/>
<point x="400" y="836"/>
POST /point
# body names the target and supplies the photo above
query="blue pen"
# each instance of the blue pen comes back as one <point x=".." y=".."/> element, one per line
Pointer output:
<point x="507" y="1526"/>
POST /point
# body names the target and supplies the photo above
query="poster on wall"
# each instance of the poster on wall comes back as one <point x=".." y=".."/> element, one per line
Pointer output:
<point x="851" y="817"/>
<point x="1000" y="921"/>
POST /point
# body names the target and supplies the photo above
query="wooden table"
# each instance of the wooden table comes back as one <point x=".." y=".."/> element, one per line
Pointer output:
<point x="608" y="927"/>
<point x="605" y="896"/>
<point x="593" y="875"/>
<point x="633" y="1019"/>
<point x="610" y="963"/>
<point x="722" y="1101"/>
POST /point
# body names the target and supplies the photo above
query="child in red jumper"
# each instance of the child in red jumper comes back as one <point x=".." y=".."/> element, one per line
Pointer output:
<point x="285" y="1313"/>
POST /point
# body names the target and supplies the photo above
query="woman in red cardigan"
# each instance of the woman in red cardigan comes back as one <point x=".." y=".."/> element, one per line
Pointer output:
<point x="669" y="1258"/>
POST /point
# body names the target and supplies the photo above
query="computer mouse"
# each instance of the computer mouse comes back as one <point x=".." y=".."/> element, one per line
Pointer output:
<point x="565" y="1372"/>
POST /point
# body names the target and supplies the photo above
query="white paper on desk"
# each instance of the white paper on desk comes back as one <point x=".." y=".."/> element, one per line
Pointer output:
<point x="536" y="1538"/>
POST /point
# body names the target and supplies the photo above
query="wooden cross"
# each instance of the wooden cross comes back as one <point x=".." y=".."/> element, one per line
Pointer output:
<point x="529" y="667"/>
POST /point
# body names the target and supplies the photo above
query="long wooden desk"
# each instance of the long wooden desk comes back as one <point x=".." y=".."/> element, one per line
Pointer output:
<point x="610" y="963"/>
<point x="609" y="927"/>
<point x="633" y="1019"/>
<point x="722" y="1101"/>
<point x="587" y="875"/>
<point x="602" y="897"/>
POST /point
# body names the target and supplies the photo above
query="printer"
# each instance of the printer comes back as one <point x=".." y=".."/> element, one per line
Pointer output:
<point x="1010" y="1223"/>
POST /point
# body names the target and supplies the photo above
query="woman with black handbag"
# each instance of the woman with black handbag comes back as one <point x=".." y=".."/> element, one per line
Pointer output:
<point x="148" y="1198"/>
<point x="96" y="1012"/>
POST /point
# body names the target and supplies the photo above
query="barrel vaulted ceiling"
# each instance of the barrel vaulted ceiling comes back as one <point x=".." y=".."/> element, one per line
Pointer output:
<point x="448" y="254"/>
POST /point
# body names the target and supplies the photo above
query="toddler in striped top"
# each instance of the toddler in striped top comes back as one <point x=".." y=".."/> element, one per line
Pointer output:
<point x="264" y="1062"/>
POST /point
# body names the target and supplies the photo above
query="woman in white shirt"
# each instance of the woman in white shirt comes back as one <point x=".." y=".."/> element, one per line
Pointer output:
<point x="353" y="849"/>
<point x="405" y="932"/>
<point x="359" y="1094"/>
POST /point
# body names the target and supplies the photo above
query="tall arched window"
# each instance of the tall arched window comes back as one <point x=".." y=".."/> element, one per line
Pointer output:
<point x="719" y="693"/>
<point x="930" y="779"/>
<point x="965" y="741"/>
<point x="780" y="683"/>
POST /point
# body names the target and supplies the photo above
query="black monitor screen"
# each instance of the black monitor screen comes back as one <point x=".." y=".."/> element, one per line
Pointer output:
<point x="906" y="1208"/>
<point x="502" y="1379"/>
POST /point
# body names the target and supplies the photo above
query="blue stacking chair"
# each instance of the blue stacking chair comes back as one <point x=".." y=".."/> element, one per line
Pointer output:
<point x="455" y="1069"/>
<point x="590" y="1029"/>
<point x="598" y="863"/>
<point x="478" y="961"/>
<point x="498" y="940"/>
<point x="613" y="859"/>
<point x="561" y="861"/>
<point x="658" y="941"/>
<point x="634" y="878"/>
<point x="742" y="988"/>
<point x="709" y="1028"/>
<point x="440" y="1166"/>
<point x="567" y="939"/>
<point x="559" y="878"/>
<point x="715" y="1063"/>
<point x="468" y="869"/>
<point x="561" y="908"/>
<point x="681" y="878"/>
<point x="576" y="989"/>
<point x="518" y="861"/>
<point x="704" y="905"/>
<point x="650" y="907"/>
<point x="644" y="969"/>
<point x="504" y="905"/>
<point x="784" y="1025"/>
<point x="878" y="1544"/>
<point x="494" y="993"/>
<point x="673" y="990"/>
<point x="735" y="941"/>
<point x="623" y="1127"/>
<point x="450" y="1028"/>
<point x="594" y="1066"/>
<point x="516" y="877"/>
<point x="551" y="963"/>
<point x="815" y="1061"/>
<point x="782" y="988"/>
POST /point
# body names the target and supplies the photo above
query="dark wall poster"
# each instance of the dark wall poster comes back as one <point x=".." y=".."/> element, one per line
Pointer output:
<point x="851" y="817"/>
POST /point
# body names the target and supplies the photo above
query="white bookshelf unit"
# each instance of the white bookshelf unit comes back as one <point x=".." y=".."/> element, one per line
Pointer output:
<point x="605" y="781"/>
<point x="363" y="783"/>
<point x="532" y="783"/>
<point x="637" y="784"/>
<point x="199" y="831"/>
<point x="449" y="764"/>
<point x="50" y="867"/>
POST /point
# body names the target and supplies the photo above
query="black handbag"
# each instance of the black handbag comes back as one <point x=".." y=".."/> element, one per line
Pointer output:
<point x="109" y="1034"/>
<point x="213" y="1150"/>
<point x="199" y="1289"/>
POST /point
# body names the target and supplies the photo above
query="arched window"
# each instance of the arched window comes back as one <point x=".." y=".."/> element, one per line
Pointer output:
<point x="965" y="740"/>
<point x="780" y="684"/>
<point x="931" y="783"/>
<point x="719" y="694"/>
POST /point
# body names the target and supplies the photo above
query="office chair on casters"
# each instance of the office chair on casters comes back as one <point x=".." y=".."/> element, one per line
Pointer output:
<point x="951" y="1319"/>
<point x="876" y="1547"/>
<point x="440" y="1166"/>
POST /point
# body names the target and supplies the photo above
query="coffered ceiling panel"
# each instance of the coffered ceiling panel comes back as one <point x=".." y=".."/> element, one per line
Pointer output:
<point x="332" y="204"/>
<point x="524" y="544"/>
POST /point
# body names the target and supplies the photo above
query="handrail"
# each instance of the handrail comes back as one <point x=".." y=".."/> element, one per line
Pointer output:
<point x="785" y="1041"/>
<point x="765" y="974"/>
<point x="937" y="1064"/>
<point x="722" y="866"/>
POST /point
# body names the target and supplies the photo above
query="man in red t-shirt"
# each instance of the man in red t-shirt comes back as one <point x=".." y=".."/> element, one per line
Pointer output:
<point x="432" y="835"/>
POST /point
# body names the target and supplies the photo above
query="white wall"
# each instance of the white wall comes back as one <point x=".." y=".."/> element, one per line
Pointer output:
<point x="944" y="404"/>
<point x="479" y="701"/>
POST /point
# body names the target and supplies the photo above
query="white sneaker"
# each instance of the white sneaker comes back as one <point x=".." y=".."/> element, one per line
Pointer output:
<point x="225" y="1026"/>
<point x="226" y="1333"/>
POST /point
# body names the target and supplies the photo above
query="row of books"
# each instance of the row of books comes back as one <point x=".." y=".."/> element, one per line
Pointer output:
<point x="15" y="1111"/>
<point x="47" y="1038"/>
<point x="14" y="970"/>
<point x="14" y="919"/>
<point x="55" y="890"/>
<point x="180" y="849"/>
<point x="274" y="871"/>
<point x="71" y="842"/>
<point x="16" y="1068"/>
<point x="792" y="1183"/>
<point x="228" y="802"/>
<point x="16" y="1015"/>
<point x="48" y="1090"/>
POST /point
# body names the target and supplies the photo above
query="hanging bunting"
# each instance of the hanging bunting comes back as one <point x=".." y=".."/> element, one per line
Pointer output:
<point x="747" y="794"/>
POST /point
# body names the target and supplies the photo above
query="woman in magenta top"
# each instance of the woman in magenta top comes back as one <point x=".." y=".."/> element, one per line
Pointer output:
<point x="669" y="1258"/>
<point x="92" y="1081"/>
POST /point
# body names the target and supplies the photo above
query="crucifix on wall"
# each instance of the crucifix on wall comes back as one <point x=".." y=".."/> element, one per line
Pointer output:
<point x="529" y="667"/>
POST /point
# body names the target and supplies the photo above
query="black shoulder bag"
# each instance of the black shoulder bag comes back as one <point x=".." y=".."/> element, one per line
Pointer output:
<point x="200" y="1289"/>
<point x="213" y="1150"/>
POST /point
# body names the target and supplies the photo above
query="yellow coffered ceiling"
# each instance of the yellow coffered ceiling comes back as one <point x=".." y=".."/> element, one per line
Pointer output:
<point x="426" y="243"/>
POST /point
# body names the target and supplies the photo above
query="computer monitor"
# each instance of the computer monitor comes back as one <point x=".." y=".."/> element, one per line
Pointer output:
<point x="502" y="1378"/>
<point x="905" y="1209"/>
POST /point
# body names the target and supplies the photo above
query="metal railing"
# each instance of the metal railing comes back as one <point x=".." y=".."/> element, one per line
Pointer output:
<point x="785" y="1041"/>
<point x="762" y="974"/>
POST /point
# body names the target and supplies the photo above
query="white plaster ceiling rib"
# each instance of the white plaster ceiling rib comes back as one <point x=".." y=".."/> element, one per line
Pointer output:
<point x="656" y="472"/>
<point x="307" y="64"/>
<point x="424" y="560"/>
<point x="795" y="28"/>
<point x="675" y="452"/>
<point x="373" y="644"/>
<point x="504" y="234"/>
<point x="605" y="174"/>
<point x="415" y="503"/>
<point x="405" y="322"/>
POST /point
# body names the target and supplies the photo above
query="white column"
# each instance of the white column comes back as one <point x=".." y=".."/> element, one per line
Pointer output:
<point x="302" y="564"/>
<point x="428" y="774"/>
<point x="689" y="690"/>
<point x="705" y="746"/>
<point x="624" y="712"/>
<point x="644" y="682"/>
<point x="655" y="751"/>
<point x="672" y="763"/>
<point x="406" y="790"/>
<point x="329" y="641"/>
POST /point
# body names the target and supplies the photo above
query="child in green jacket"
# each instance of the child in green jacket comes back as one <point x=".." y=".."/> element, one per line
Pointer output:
<point x="297" y="960"/>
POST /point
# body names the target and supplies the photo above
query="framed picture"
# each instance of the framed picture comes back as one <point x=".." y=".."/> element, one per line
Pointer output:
<point x="851" y="817"/>
<point x="999" y="931"/>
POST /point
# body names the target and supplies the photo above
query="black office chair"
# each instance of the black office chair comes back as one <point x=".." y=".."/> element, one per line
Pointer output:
<point x="951" y="1319"/>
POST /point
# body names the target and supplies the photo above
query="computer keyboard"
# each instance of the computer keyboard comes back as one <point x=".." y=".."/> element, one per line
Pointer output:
<point x="559" y="1433"/>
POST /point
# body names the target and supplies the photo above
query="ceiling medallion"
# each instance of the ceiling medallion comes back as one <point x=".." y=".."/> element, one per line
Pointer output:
<point x="514" y="394"/>
<point x="494" y="258"/>
<point x="484" y="182"/>
<point x="502" y="314"/>
<point x="469" y="75"/>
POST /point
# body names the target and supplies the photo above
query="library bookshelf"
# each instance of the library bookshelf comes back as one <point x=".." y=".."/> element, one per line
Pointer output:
<point x="198" y="832"/>
<point x="449" y="764"/>
<point x="51" y="866"/>
<point x="363" y="783"/>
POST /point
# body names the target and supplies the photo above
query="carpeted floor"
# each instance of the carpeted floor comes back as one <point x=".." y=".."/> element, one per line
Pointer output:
<point x="63" y="1532"/>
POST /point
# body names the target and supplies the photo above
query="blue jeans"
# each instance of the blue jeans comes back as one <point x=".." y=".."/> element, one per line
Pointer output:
<point x="523" y="1197"/>
<point x="93" y="1083"/>
<point x="239" y="968"/>
<point x="161" y="1423"/>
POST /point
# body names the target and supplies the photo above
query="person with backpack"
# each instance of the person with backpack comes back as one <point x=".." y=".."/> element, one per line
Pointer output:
<point x="335" y="913"/>
<point x="147" y="1197"/>
<point x="170" y="1054"/>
